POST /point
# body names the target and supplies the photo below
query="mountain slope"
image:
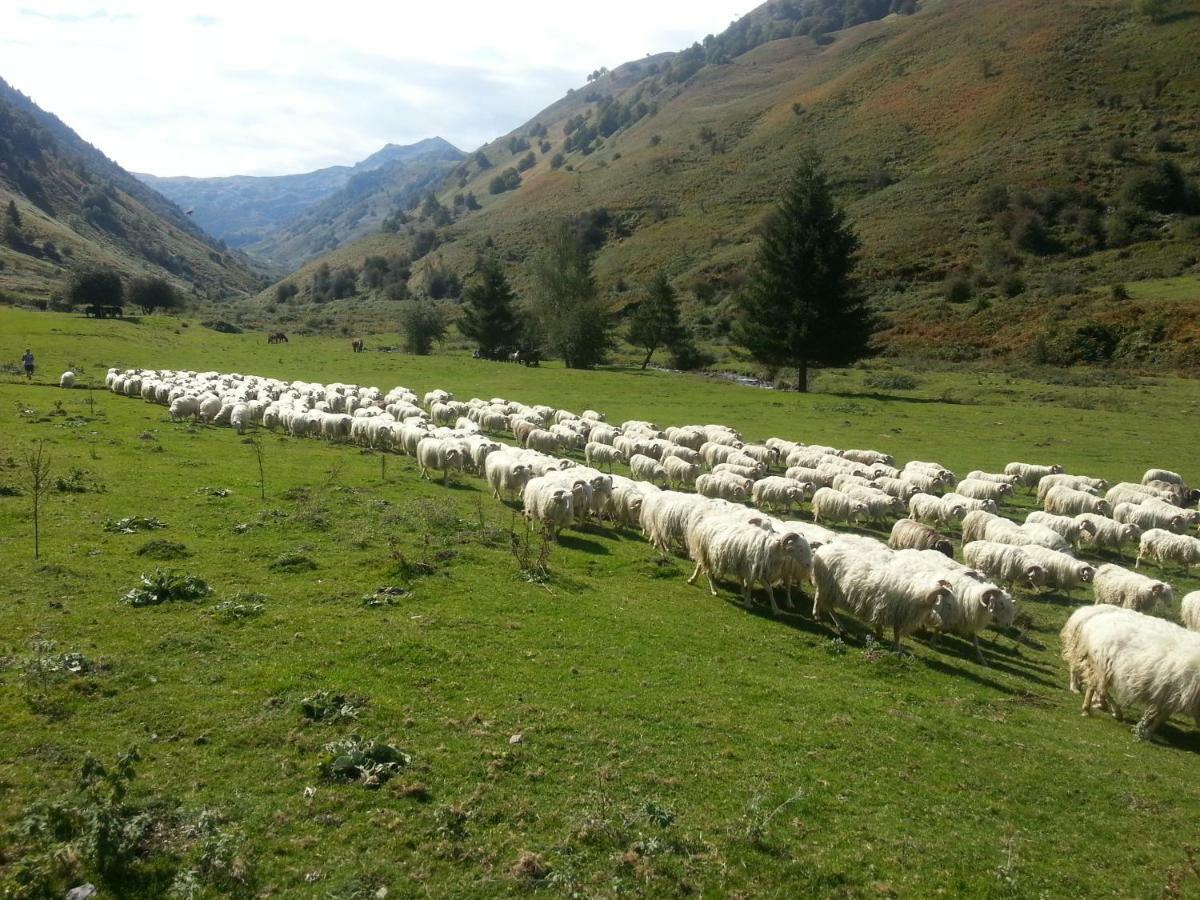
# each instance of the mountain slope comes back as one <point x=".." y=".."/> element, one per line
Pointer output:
<point x="394" y="180"/>
<point x="77" y="207"/>
<point x="999" y="143"/>
<point x="244" y="209"/>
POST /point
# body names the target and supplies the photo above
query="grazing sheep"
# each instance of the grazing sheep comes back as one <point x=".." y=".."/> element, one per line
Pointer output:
<point x="909" y="534"/>
<point x="1075" y="482"/>
<point x="983" y="490"/>
<point x="680" y="471"/>
<point x="602" y="454"/>
<point x="1028" y="474"/>
<point x="678" y="451"/>
<point x="776" y="492"/>
<point x="996" y="477"/>
<point x="728" y="545"/>
<point x="1121" y="587"/>
<point x="645" y="468"/>
<point x="834" y="506"/>
<point x="814" y="534"/>
<point x="664" y="517"/>
<point x="978" y="525"/>
<point x="869" y="457"/>
<point x="879" y="505"/>
<point x="876" y="585"/>
<point x="1072" y="530"/>
<point x="239" y="417"/>
<point x="842" y="480"/>
<point x="1175" y="494"/>
<point x="817" y="477"/>
<point x="897" y="487"/>
<point x="724" y="487"/>
<point x="440" y="455"/>
<point x="750" y="473"/>
<point x="1126" y="657"/>
<point x="1004" y="562"/>
<point x="66" y="380"/>
<point x="973" y="604"/>
<point x="438" y="396"/>
<point x="764" y="455"/>
<point x="1127" y="492"/>
<point x="931" y="510"/>
<point x="184" y="407"/>
<point x="936" y="470"/>
<point x="625" y="500"/>
<point x="1163" y="475"/>
<point x="1189" y="611"/>
<point x="1163" y="547"/>
<point x="1151" y="515"/>
<point x="1063" y="571"/>
<point x="1065" y="501"/>
<point x="550" y="504"/>
<point x="970" y="503"/>
<point x="543" y="441"/>
<point x="1106" y="533"/>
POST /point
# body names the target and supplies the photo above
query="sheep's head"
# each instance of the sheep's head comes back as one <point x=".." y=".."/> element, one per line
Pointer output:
<point x="1056" y="470"/>
<point x="1087" y="527"/>
<point x="944" y="546"/>
<point x="958" y="512"/>
<point x="1086" y="574"/>
<point x="1004" y="488"/>
<point x="1035" y="575"/>
<point x="1104" y="508"/>
<point x="999" y="604"/>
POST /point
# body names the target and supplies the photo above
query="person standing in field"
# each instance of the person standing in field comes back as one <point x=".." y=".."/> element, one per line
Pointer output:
<point x="28" y="360"/>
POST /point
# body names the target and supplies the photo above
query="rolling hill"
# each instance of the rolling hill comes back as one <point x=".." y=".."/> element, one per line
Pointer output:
<point x="1007" y="165"/>
<point x="275" y="217"/>
<point x="68" y="205"/>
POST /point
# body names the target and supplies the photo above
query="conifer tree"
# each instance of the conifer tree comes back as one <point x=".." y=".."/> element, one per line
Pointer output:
<point x="488" y="315"/>
<point x="801" y="306"/>
<point x="656" y="321"/>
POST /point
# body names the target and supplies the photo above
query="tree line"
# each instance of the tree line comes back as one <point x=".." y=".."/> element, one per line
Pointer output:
<point x="106" y="287"/>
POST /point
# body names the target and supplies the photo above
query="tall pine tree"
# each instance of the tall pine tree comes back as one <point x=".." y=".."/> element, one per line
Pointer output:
<point x="801" y="306"/>
<point x="573" y="316"/>
<point x="488" y="315"/>
<point x="655" y="323"/>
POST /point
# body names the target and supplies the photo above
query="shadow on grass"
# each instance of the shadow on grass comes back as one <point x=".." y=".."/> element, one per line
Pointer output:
<point x="892" y="398"/>
<point x="574" y="542"/>
<point x="1016" y="666"/>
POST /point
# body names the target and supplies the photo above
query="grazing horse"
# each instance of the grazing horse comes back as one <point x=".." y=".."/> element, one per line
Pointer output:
<point x="357" y="345"/>
<point x="531" y="358"/>
<point x="277" y="338"/>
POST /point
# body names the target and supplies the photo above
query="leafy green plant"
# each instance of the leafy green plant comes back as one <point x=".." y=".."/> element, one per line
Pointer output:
<point x="163" y="550"/>
<point x="240" y="607"/>
<point x="131" y="524"/>
<point x="167" y="587"/>
<point x="329" y="708"/>
<point x="369" y="761"/>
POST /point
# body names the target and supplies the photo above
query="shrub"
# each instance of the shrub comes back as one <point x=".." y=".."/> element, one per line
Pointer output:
<point x="372" y="762"/>
<point x="1160" y="187"/>
<point x="329" y="708"/>
<point x="167" y="587"/>
<point x="1119" y="292"/>
<point x="292" y="562"/>
<point x="164" y="550"/>
<point x="958" y="288"/>
<point x="131" y="524"/>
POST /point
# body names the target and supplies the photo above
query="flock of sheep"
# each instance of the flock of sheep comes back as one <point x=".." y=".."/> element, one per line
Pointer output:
<point x="911" y="582"/>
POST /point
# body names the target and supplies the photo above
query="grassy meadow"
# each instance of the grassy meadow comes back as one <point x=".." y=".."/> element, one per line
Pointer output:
<point x="605" y="730"/>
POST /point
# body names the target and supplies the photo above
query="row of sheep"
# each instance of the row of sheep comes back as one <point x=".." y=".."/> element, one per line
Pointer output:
<point x="723" y="538"/>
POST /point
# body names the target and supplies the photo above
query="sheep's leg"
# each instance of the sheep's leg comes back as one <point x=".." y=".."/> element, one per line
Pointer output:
<point x="424" y="473"/>
<point x="791" y="604"/>
<point x="1137" y="562"/>
<point x="1088" y="694"/>
<point x="712" y="588"/>
<point x="978" y="650"/>
<point x="771" y="596"/>
<point x="445" y="477"/>
<point x="747" y="600"/>
<point x="692" y="580"/>
<point x="1150" y="721"/>
<point x="896" y="635"/>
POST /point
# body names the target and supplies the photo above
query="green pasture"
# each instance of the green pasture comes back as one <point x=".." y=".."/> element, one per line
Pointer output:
<point x="606" y="730"/>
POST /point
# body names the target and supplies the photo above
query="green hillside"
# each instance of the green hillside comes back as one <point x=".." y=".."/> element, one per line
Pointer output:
<point x="1006" y="164"/>
<point x="75" y="208"/>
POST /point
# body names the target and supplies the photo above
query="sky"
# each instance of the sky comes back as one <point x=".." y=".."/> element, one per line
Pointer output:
<point x="264" y="87"/>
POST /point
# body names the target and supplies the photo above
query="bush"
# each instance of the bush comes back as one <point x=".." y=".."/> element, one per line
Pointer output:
<point x="1160" y="187"/>
<point x="222" y="327"/>
<point x="167" y="587"/>
<point x="372" y="762"/>
<point x="1119" y="292"/>
<point x="508" y="180"/>
<point x="958" y="288"/>
<point x="160" y="549"/>
<point x="891" y="381"/>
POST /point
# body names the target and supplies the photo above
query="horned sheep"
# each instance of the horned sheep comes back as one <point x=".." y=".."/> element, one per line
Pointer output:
<point x="1164" y="546"/>
<point x="1004" y="562"/>
<point x="1065" y="501"/>
<point x="1121" y="587"/>
<point x="909" y="534"/>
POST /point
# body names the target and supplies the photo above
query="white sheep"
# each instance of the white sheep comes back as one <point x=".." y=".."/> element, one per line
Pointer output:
<point x="750" y="473"/>
<point x="1075" y="482"/>
<point x="1028" y="474"/>
<point x="66" y="380"/>
<point x="969" y="503"/>
<point x="239" y="417"/>
<point x="727" y="545"/>
<point x="1063" y="571"/>
<point x="1127" y="492"/>
<point x="1071" y="529"/>
<point x="1189" y="611"/>
<point x="678" y="451"/>
<point x="909" y="534"/>
<point x="931" y="510"/>
<point x="879" y="505"/>
<point x="833" y="506"/>
<point x="1163" y="475"/>
<point x="1164" y="546"/>
<point x="998" y="478"/>
<point x="184" y="407"/>
<point x="1151" y="515"/>
<point x="1121" y="587"/>
<point x="876" y="586"/>
<point x="973" y="602"/>
<point x="1106" y="533"/>
<point x="1126" y="657"/>
<point x="602" y="454"/>
<point x="776" y="492"/>
<point x="664" y="517"/>
<point x="549" y="504"/>
<point x="897" y="487"/>
<point x="869" y="457"/>
<point x="680" y="471"/>
<point x="646" y="468"/>
<point x="1004" y="562"/>
<point x="976" y="489"/>
<point x="724" y="487"/>
<point x="1065" y="501"/>
<point x="440" y="455"/>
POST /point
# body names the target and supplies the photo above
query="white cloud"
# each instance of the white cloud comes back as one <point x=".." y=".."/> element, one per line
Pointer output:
<point x="255" y="87"/>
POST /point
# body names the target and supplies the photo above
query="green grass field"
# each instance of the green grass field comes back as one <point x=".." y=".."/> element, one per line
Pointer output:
<point x="670" y="742"/>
